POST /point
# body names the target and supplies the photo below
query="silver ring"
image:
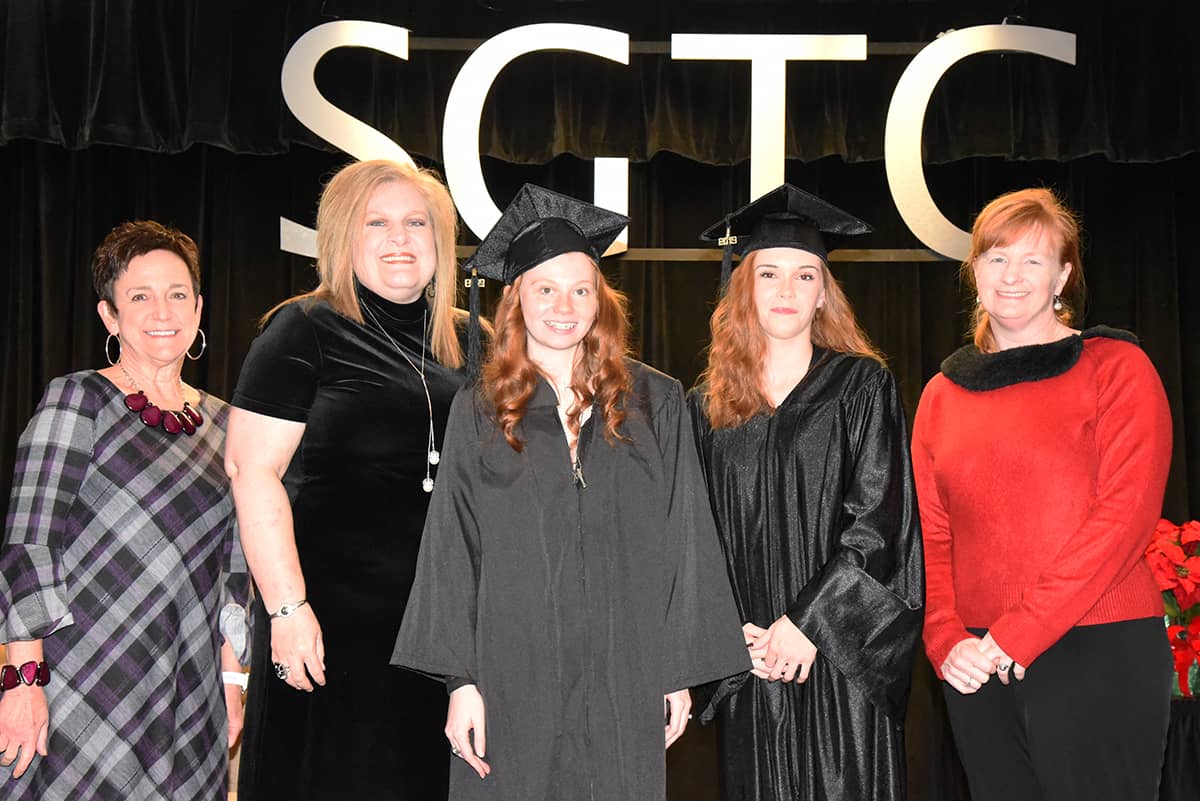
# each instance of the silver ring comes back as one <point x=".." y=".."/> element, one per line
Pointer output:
<point x="454" y="750"/>
<point x="1004" y="668"/>
<point x="281" y="670"/>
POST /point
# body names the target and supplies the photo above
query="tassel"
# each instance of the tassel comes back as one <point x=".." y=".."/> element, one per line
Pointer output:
<point x="727" y="242"/>
<point x="474" y="345"/>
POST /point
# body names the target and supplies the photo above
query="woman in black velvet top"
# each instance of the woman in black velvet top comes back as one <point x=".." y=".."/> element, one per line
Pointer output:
<point x="339" y="412"/>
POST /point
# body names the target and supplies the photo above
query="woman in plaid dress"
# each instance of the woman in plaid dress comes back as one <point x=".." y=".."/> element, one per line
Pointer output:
<point x="120" y="555"/>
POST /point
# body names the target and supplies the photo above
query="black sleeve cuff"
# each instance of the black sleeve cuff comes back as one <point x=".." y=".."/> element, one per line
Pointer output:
<point x="454" y="682"/>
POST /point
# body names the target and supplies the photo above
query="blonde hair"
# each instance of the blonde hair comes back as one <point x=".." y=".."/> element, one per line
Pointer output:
<point x="339" y="217"/>
<point x="733" y="376"/>
<point x="1004" y="221"/>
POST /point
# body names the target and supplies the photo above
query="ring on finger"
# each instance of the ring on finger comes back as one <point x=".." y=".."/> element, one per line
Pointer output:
<point x="454" y="750"/>
<point x="281" y="670"/>
<point x="1004" y="668"/>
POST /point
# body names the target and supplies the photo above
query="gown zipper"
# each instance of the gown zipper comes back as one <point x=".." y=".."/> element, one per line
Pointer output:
<point x="580" y="485"/>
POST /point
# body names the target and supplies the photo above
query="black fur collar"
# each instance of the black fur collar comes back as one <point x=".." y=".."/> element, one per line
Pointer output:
<point x="979" y="372"/>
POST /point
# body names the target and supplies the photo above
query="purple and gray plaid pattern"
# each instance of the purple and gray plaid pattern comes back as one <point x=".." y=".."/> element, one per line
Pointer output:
<point x="120" y="552"/>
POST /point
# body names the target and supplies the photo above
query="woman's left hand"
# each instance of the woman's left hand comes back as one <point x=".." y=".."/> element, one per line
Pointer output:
<point x="234" y="713"/>
<point x="677" y="707"/>
<point x="24" y="727"/>
<point x="1005" y="664"/>
<point x="786" y="653"/>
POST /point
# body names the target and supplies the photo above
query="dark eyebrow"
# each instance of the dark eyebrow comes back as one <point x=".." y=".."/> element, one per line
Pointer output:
<point x="147" y="288"/>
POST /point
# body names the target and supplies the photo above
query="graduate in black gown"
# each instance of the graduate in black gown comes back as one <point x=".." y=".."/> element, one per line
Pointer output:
<point x="804" y="445"/>
<point x="570" y="583"/>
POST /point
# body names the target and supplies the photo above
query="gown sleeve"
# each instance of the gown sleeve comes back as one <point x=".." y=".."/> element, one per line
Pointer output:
<point x="53" y="456"/>
<point x="437" y="635"/>
<point x="704" y="639"/>
<point x="863" y="608"/>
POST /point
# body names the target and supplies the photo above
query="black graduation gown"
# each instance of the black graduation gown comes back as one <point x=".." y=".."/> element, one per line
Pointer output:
<point x="574" y="609"/>
<point x="817" y="514"/>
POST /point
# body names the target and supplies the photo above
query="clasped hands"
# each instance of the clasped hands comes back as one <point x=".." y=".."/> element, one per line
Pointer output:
<point x="971" y="662"/>
<point x="780" y="651"/>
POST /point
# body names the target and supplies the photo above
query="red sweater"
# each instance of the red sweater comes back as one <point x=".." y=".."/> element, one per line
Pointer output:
<point x="1039" y="488"/>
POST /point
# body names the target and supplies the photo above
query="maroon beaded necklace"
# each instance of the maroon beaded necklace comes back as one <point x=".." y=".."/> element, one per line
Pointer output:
<point x="186" y="420"/>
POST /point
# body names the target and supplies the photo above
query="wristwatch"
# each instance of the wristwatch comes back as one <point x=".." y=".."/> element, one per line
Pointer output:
<point x="288" y="609"/>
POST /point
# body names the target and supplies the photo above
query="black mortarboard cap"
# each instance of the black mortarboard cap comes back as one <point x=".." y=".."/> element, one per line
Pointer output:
<point x="785" y="217"/>
<point x="535" y="227"/>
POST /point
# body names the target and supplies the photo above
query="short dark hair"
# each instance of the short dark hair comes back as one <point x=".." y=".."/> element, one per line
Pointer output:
<point x="137" y="238"/>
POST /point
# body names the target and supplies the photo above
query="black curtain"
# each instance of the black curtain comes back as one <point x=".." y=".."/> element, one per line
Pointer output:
<point x="166" y="76"/>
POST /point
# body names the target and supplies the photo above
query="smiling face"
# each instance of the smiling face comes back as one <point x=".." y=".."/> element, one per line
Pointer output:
<point x="789" y="287"/>
<point x="558" y="305"/>
<point x="156" y="312"/>
<point x="1017" y="282"/>
<point x="395" y="256"/>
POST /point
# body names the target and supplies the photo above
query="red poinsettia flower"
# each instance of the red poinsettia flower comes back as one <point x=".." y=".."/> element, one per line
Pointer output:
<point x="1189" y="532"/>
<point x="1165" y="526"/>
<point x="1185" y="647"/>
<point x="1164" y="557"/>
<point x="1188" y="572"/>
<point x="1186" y="599"/>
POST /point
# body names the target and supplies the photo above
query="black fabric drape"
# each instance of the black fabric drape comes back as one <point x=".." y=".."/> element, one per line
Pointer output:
<point x="166" y="76"/>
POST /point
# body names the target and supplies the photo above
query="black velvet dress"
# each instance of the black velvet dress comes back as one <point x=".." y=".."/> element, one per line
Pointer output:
<point x="372" y="732"/>
<point x="816" y="510"/>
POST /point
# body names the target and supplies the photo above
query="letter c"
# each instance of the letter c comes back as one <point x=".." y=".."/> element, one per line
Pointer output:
<point x="906" y="120"/>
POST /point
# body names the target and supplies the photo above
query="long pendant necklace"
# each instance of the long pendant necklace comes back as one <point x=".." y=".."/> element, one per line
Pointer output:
<point x="432" y="455"/>
<point x="173" y="422"/>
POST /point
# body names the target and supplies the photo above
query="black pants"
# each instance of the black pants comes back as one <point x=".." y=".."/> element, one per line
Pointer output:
<point x="1088" y="722"/>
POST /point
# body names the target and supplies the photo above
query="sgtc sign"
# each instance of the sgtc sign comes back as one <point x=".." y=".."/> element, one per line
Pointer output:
<point x="768" y="55"/>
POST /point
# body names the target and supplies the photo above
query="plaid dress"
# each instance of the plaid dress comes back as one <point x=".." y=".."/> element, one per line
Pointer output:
<point x="120" y="552"/>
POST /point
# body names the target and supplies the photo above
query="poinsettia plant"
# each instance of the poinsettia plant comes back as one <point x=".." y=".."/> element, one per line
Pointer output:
<point x="1174" y="556"/>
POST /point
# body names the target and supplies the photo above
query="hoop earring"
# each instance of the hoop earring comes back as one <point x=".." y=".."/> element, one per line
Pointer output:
<point x="107" y="355"/>
<point x="203" y="346"/>
<point x="431" y="289"/>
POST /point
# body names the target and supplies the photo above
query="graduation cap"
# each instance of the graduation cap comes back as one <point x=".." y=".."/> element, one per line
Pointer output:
<point x="537" y="226"/>
<point x="785" y="217"/>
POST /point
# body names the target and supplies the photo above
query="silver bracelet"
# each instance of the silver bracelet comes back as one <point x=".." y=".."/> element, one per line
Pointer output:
<point x="289" y="608"/>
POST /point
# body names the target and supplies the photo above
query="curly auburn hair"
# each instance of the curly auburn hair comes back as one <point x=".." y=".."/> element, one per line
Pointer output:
<point x="600" y="377"/>
<point x="733" y="376"/>
<point x="1005" y="220"/>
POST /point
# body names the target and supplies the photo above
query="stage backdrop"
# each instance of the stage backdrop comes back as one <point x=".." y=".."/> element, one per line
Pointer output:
<point x="172" y="111"/>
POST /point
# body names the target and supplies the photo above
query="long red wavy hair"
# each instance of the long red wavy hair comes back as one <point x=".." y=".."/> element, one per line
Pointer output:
<point x="600" y="377"/>
<point x="734" y="373"/>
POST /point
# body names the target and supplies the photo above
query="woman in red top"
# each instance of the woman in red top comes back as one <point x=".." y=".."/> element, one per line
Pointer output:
<point x="1041" y="453"/>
